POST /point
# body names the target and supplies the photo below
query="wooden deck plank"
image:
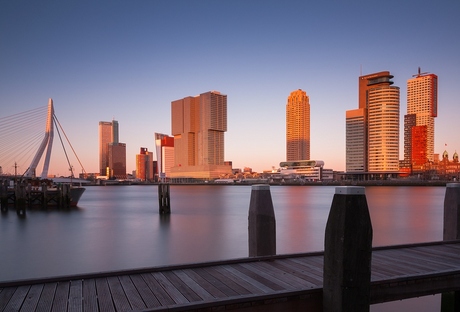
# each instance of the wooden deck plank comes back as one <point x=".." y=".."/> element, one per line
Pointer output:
<point x="291" y="280"/>
<point x="303" y="277"/>
<point x="172" y="291"/>
<point x="118" y="294"/>
<point x="5" y="296"/>
<point x="273" y="275"/>
<point x="18" y="298"/>
<point x="89" y="294"/>
<point x="145" y="292"/>
<point x="397" y="263"/>
<point x="229" y="292"/>
<point x="248" y="279"/>
<point x="104" y="297"/>
<point x="76" y="296"/>
<point x="226" y="280"/>
<point x="210" y="288"/>
<point x="156" y="288"/>
<point x="425" y="263"/>
<point x="303" y="268"/>
<point x="46" y="299"/>
<point x="31" y="301"/>
<point x="265" y="280"/>
<point x="61" y="297"/>
<point x="131" y="292"/>
<point x="253" y="289"/>
<point x="183" y="288"/>
<point x="197" y="288"/>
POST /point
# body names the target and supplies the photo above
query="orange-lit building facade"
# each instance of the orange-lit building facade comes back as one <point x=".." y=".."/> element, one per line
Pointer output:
<point x="112" y="153"/>
<point x="418" y="147"/>
<point x="198" y="126"/>
<point x="298" y="126"/>
<point x="144" y="165"/>
<point x="372" y="130"/>
<point x="422" y="101"/>
<point x="164" y="146"/>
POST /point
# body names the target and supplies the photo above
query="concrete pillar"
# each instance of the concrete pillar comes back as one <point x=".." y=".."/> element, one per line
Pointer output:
<point x="452" y="212"/>
<point x="347" y="252"/>
<point x="164" y="198"/>
<point x="262" y="224"/>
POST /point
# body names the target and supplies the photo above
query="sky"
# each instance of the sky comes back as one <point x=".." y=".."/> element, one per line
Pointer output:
<point x="127" y="60"/>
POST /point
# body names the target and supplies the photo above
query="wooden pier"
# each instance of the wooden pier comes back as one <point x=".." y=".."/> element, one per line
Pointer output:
<point x="23" y="196"/>
<point x="278" y="283"/>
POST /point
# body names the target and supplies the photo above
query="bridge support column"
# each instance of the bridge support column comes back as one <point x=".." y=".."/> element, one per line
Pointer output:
<point x="451" y="231"/>
<point x="262" y="223"/>
<point x="347" y="252"/>
<point x="164" y="198"/>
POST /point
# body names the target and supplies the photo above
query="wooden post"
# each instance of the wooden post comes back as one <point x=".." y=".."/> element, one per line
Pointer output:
<point x="164" y="198"/>
<point x="44" y="195"/>
<point x="29" y="195"/>
<point x="452" y="212"/>
<point x="451" y="231"/>
<point x="262" y="223"/>
<point x="21" y="202"/>
<point x="347" y="252"/>
<point x="4" y="195"/>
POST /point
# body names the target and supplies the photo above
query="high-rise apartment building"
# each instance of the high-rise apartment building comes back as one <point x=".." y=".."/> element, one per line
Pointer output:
<point x="372" y="130"/>
<point x="112" y="154"/>
<point x="198" y="127"/>
<point x="298" y="126"/>
<point x="422" y="101"/>
<point x="164" y="146"/>
<point x="144" y="165"/>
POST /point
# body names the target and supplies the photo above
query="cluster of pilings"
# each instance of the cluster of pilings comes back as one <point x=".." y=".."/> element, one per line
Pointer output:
<point x="23" y="195"/>
<point x="347" y="243"/>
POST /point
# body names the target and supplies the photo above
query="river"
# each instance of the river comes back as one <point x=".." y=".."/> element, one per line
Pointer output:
<point x="119" y="227"/>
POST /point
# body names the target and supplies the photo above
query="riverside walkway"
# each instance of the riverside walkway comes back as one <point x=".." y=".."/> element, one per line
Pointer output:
<point x="281" y="282"/>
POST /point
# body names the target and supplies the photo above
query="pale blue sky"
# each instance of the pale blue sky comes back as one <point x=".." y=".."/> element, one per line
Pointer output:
<point x="128" y="60"/>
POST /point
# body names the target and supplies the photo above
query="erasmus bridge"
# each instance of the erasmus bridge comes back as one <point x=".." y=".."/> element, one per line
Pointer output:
<point x="28" y="136"/>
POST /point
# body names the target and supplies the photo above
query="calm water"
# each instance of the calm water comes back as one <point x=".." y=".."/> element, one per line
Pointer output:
<point x="118" y="227"/>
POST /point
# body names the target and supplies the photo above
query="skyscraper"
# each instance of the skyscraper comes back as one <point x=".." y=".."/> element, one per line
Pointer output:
<point x="298" y="126"/>
<point x="372" y="130"/>
<point x="112" y="154"/>
<point x="164" y="146"/>
<point x="422" y="101"/>
<point x="144" y="165"/>
<point x="198" y="127"/>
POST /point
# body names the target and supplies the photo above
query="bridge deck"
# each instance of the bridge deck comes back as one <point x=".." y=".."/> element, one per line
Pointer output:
<point x="398" y="272"/>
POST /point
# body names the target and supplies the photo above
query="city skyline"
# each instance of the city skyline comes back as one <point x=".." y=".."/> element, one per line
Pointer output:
<point x="127" y="62"/>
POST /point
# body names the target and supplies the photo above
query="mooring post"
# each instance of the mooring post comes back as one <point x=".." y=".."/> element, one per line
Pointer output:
<point x="44" y="195"/>
<point x="164" y="198"/>
<point x="4" y="195"/>
<point x="262" y="223"/>
<point x="347" y="252"/>
<point x="20" y="194"/>
<point x="452" y="212"/>
<point x="451" y="231"/>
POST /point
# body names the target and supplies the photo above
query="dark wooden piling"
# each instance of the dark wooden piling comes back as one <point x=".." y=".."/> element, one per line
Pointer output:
<point x="4" y="195"/>
<point x="452" y="212"/>
<point x="164" y="198"/>
<point x="20" y="199"/>
<point x="451" y="231"/>
<point x="44" y="195"/>
<point x="347" y="252"/>
<point x="262" y="223"/>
